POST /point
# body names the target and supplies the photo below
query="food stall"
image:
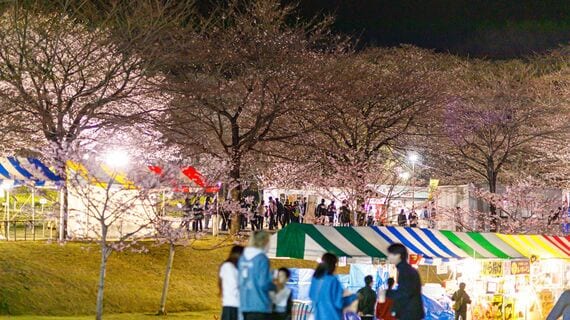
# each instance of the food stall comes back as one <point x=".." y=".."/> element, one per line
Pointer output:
<point x="508" y="276"/>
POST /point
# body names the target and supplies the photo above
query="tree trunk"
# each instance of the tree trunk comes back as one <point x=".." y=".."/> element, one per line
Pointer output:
<point x="492" y="179"/>
<point x="171" y="252"/>
<point x="102" y="271"/>
<point x="61" y="164"/>
<point x="236" y="188"/>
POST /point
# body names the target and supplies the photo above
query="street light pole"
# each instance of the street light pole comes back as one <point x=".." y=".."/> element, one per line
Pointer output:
<point x="413" y="158"/>
<point x="413" y="186"/>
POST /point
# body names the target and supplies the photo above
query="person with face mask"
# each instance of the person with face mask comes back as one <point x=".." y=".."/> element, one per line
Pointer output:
<point x="407" y="299"/>
<point x="255" y="279"/>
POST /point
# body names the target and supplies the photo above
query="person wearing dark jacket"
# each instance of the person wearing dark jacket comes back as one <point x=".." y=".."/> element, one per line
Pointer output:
<point x="561" y="308"/>
<point x="366" y="300"/>
<point x="280" y="213"/>
<point x="402" y="219"/>
<point x="461" y="299"/>
<point x="407" y="299"/>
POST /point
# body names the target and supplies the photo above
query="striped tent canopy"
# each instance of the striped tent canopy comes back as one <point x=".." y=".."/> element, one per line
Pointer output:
<point x="306" y="241"/>
<point x="101" y="174"/>
<point x="16" y="171"/>
<point x="19" y="171"/>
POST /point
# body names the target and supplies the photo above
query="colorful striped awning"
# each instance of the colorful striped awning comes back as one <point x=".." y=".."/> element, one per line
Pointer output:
<point x="16" y="171"/>
<point x="305" y="241"/>
<point x="19" y="171"/>
<point x="182" y="180"/>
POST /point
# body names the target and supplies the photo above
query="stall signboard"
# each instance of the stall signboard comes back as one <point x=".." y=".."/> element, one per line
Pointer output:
<point x="520" y="267"/>
<point x="414" y="259"/>
<point x="492" y="268"/>
<point x="442" y="268"/>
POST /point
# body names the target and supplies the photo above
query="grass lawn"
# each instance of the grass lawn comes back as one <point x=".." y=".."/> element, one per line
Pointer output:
<point x="43" y="279"/>
<point x="125" y="316"/>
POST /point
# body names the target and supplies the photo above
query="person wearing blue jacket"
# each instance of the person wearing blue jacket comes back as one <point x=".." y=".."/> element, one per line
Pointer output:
<point x="255" y="279"/>
<point x="326" y="292"/>
<point x="561" y="308"/>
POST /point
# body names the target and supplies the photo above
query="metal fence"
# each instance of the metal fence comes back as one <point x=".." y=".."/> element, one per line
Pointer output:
<point x="20" y="230"/>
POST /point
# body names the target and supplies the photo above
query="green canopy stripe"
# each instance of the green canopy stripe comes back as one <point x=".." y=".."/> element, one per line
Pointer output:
<point x="487" y="245"/>
<point x="291" y="243"/>
<point x="358" y="241"/>
<point x="461" y="244"/>
<point x="320" y="239"/>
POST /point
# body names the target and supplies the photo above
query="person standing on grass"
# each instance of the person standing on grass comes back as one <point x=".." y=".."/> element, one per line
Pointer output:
<point x="271" y="212"/>
<point x="326" y="292"/>
<point x="207" y="212"/>
<point x="366" y="300"/>
<point x="261" y="211"/>
<point x="281" y="214"/>
<point x="321" y="212"/>
<point x="228" y="284"/>
<point x="344" y="216"/>
<point x="331" y="213"/>
<point x="402" y="218"/>
<point x="255" y="279"/>
<point x="407" y="299"/>
<point x="303" y="207"/>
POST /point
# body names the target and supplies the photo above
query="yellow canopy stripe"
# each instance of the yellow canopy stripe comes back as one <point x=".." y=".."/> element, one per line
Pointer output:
<point x="113" y="175"/>
<point x="119" y="177"/>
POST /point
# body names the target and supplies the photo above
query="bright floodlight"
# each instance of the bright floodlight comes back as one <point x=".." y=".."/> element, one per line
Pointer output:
<point x="413" y="157"/>
<point x="405" y="175"/>
<point x="117" y="159"/>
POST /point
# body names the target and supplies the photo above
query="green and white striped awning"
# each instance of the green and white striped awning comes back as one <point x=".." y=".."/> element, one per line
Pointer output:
<point x="307" y="241"/>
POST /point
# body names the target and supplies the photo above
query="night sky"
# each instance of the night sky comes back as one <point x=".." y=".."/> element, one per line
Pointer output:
<point x="494" y="29"/>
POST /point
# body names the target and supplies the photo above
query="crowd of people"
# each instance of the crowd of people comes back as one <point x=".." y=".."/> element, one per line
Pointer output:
<point x="251" y="291"/>
<point x="275" y="214"/>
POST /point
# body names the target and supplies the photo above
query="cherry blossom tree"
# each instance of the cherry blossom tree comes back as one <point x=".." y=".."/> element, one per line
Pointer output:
<point x="238" y="84"/>
<point x="172" y="232"/>
<point x="527" y="206"/>
<point x="62" y="78"/>
<point x="113" y="208"/>
<point x="369" y="105"/>
<point x="496" y="117"/>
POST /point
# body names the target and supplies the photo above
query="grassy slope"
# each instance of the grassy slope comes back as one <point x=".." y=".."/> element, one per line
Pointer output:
<point x="205" y="315"/>
<point x="37" y="278"/>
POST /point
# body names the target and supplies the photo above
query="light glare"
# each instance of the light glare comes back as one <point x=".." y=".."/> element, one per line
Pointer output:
<point x="117" y="159"/>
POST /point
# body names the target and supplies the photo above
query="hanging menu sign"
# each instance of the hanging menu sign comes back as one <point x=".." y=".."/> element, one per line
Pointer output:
<point x="492" y="268"/>
<point x="520" y="267"/>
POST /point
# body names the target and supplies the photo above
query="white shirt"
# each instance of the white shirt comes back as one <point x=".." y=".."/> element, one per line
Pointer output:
<point x="280" y="299"/>
<point x="230" y="290"/>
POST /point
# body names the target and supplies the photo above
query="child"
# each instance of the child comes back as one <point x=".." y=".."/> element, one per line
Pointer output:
<point x="282" y="302"/>
<point x="384" y="309"/>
